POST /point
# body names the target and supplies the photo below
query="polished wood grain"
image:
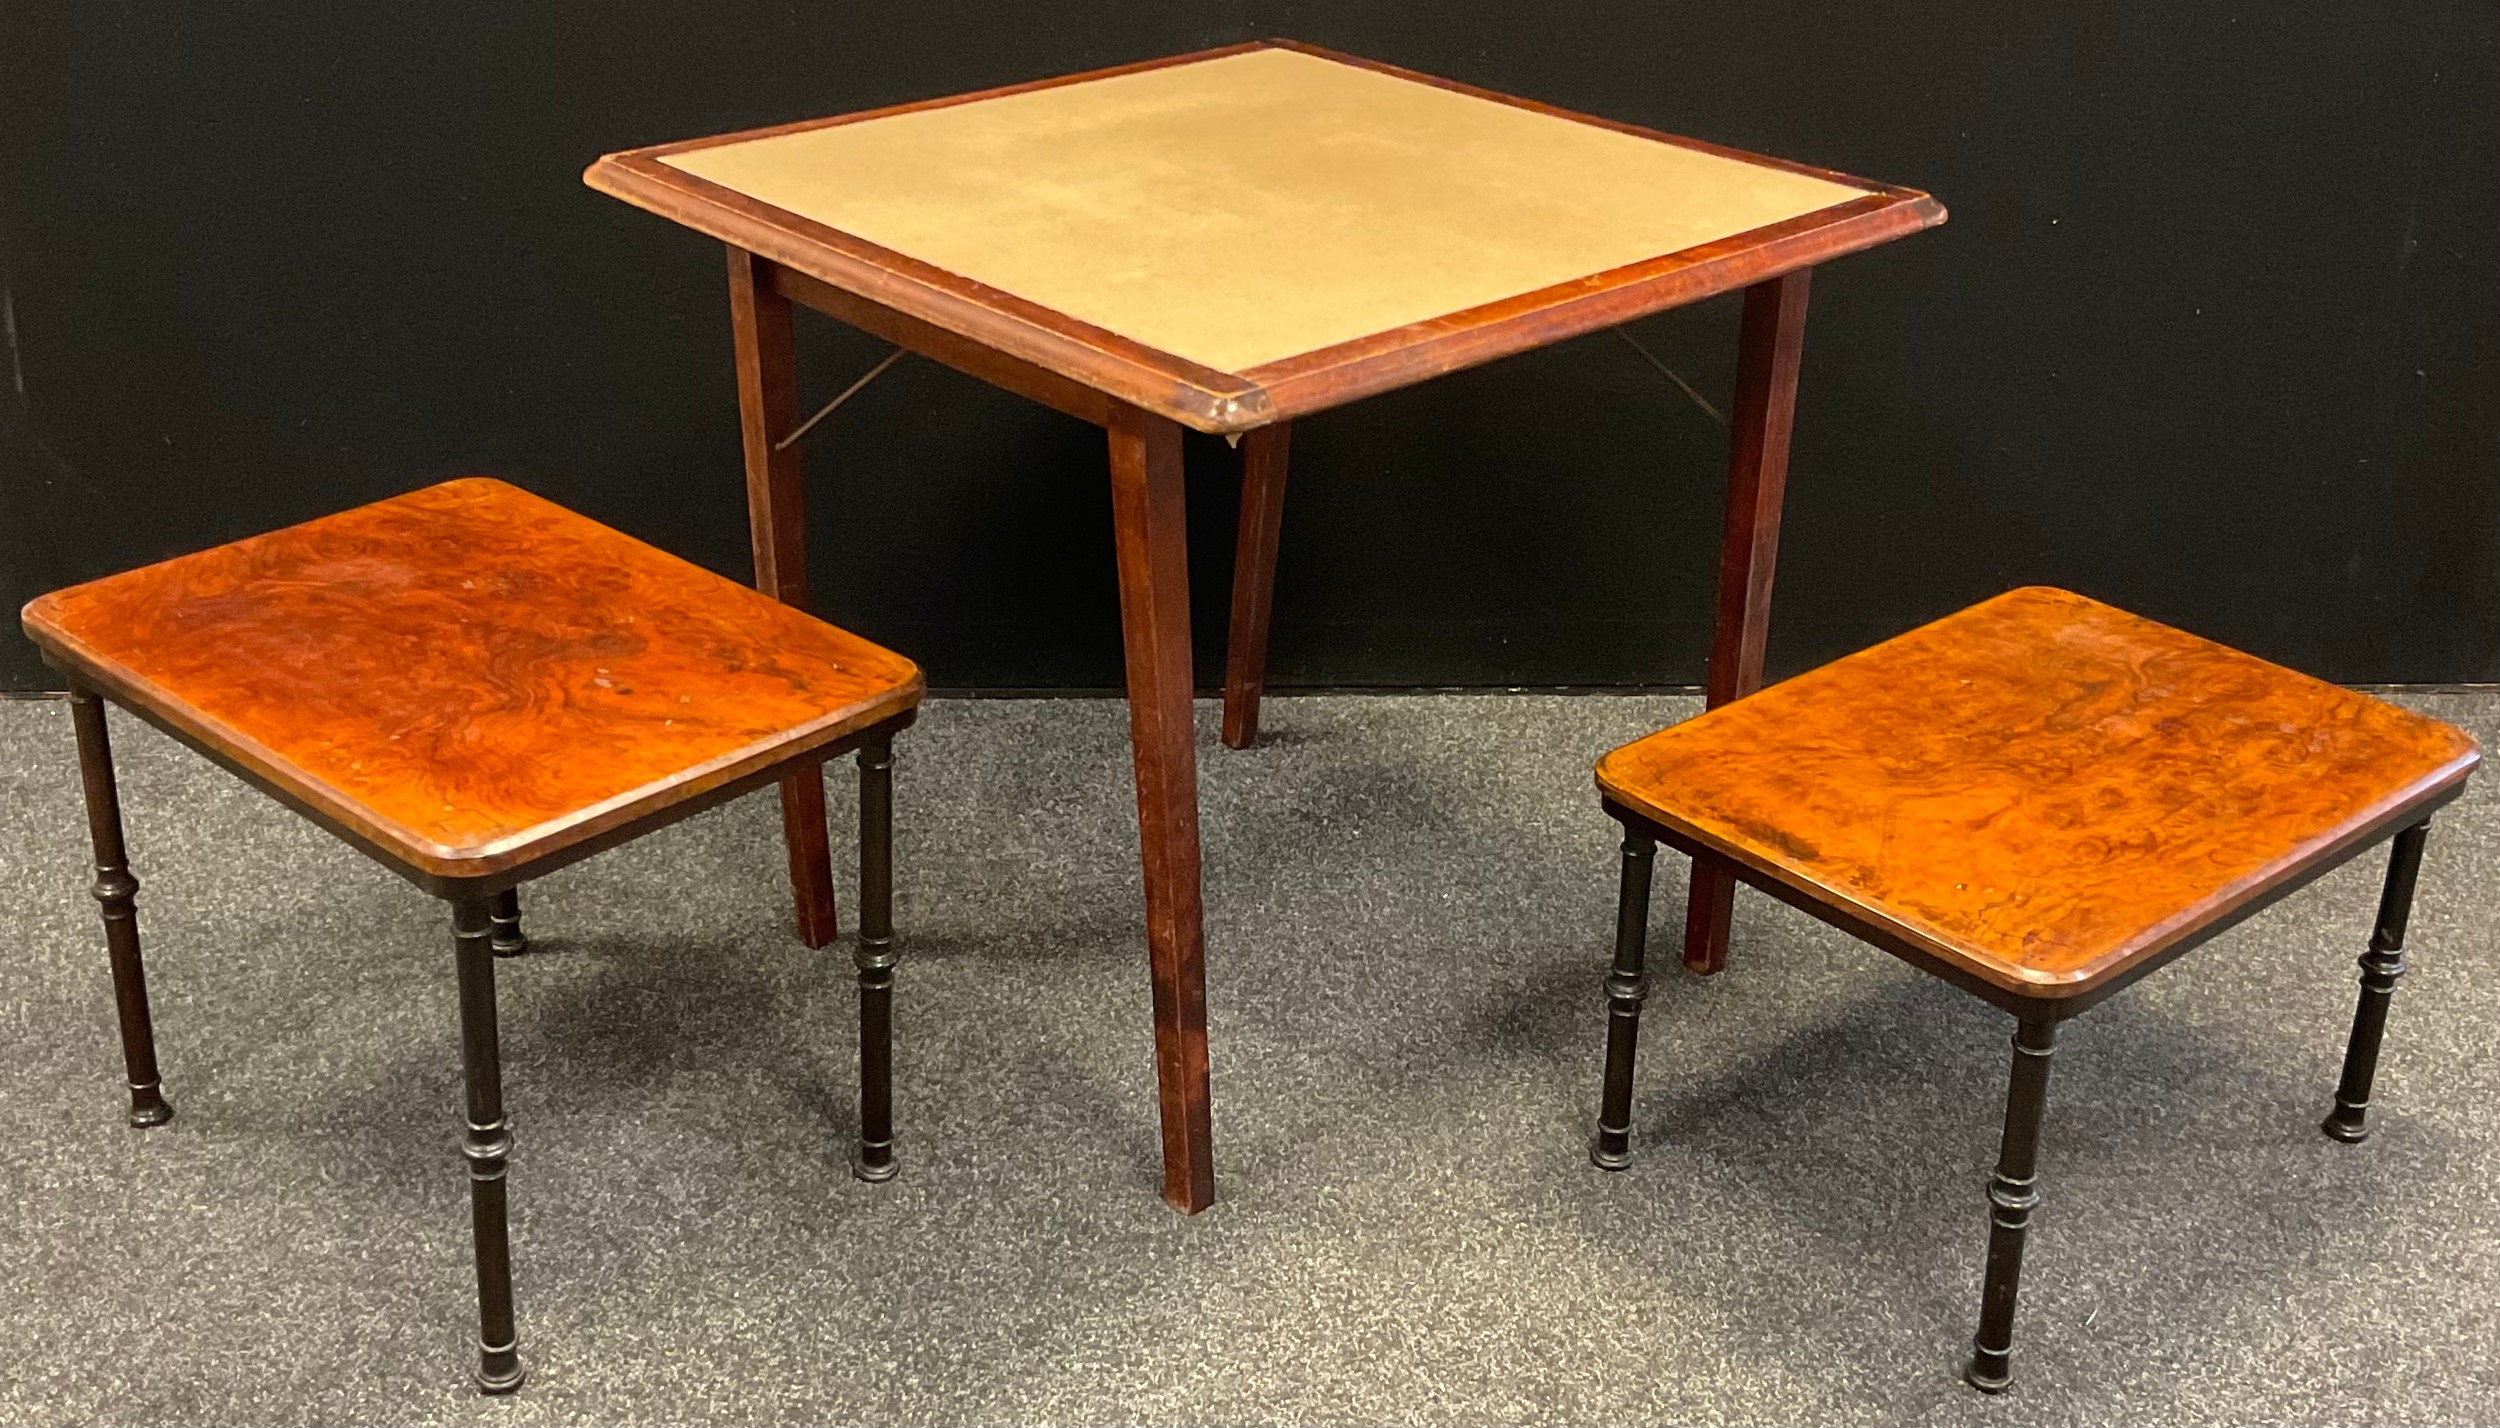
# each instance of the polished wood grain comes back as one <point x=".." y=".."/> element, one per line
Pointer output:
<point x="1151" y="534"/>
<point x="1770" y="346"/>
<point x="1263" y="458"/>
<point x="1206" y="393"/>
<point x="2042" y="791"/>
<point x="469" y="678"/>
<point x="761" y="338"/>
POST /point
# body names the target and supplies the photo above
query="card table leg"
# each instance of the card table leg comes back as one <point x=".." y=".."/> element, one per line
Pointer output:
<point x="760" y="324"/>
<point x="1767" y="352"/>
<point x="1149" y="519"/>
<point x="1254" y="579"/>
<point x="117" y="894"/>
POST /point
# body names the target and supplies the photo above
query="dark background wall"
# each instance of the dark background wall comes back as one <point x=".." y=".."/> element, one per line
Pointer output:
<point x="2214" y="331"/>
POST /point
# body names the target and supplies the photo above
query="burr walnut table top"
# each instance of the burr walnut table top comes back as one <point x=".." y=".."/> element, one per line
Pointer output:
<point x="469" y="676"/>
<point x="1238" y="236"/>
<point x="2041" y="790"/>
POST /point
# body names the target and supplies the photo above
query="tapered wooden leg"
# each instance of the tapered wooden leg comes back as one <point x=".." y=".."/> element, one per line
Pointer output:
<point x="760" y="324"/>
<point x="811" y="855"/>
<point x="487" y="1146"/>
<point x="2381" y="967"/>
<point x="117" y="893"/>
<point x="1767" y="354"/>
<point x="505" y="908"/>
<point x="1626" y="987"/>
<point x="1254" y="579"/>
<point x="2013" y="1193"/>
<point x="875" y="958"/>
<point x="1150" y="524"/>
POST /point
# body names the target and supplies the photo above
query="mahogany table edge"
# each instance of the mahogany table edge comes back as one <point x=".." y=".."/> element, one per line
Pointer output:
<point x="920" y="296"/>
<point x="2065" y="994"/>
<point x="515" y="858"/>
<point x="1218" y="402"/>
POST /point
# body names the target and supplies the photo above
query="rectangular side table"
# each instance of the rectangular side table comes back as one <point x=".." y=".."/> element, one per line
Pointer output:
<point x="1227" y="241"/>
<point x="2041" y="799"/>
<point x="475" y="687"/>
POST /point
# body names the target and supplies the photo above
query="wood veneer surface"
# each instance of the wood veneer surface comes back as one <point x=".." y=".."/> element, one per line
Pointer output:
<point x="1238" y="210"/>
<point x="2041" y="788"/>
<point x="471" y="675"/>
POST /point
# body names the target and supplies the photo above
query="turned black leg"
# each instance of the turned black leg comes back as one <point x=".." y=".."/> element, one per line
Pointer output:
<point x="1626" y="985"/>
<point x="2013" y="1192"/>
<point x="875" y="956"/>
<point x="487" y="1146"/>
<point x="504" y="911"/>
<point x="117" y="893"/>
<point x="2381" y="967"/>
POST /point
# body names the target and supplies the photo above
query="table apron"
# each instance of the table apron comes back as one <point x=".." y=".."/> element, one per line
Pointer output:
<point x="948" y="349"/>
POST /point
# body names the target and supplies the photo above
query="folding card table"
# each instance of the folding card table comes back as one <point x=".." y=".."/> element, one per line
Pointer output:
<point x="1227" y="241"/>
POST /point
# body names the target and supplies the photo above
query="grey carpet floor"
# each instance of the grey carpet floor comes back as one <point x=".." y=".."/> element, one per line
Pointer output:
<point x="1408" y="913"/>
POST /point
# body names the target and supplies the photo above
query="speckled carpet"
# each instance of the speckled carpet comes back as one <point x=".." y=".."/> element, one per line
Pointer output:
<point x="1408" y="911"/>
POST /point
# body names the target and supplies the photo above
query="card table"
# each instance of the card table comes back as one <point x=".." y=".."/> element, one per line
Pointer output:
<point x="1228" y="241"/>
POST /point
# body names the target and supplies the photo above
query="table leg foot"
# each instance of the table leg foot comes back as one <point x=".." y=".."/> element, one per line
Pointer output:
<point x="499" y="1369"/>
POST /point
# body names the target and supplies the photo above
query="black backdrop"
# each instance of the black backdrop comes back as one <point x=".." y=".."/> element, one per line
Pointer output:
<point x="2214" y="331"/>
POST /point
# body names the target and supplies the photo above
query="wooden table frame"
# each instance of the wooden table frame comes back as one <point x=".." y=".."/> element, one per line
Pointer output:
<point x="1143" y="398"/>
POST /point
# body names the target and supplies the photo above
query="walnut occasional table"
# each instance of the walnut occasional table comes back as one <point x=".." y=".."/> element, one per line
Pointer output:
<point x="2041" y="799"/>
<point x="476" y="687"/>
<point x="1227" y="241"/>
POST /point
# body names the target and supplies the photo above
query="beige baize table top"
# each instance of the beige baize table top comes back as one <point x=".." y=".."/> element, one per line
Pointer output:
<point x="1251" y="207"/>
